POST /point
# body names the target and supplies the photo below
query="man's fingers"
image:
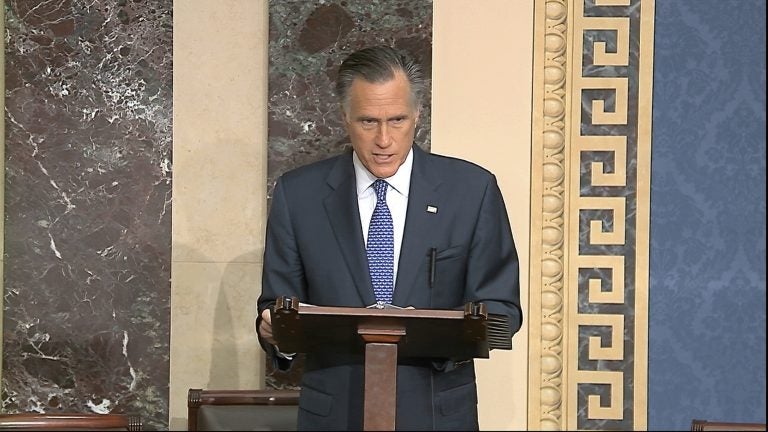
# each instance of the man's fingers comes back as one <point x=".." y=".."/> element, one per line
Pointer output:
<point x="265" y="327"/>
<point x="266" y="316"/>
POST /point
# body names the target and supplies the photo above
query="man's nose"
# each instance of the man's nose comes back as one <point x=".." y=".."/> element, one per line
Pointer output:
<point x="382" y="135"/>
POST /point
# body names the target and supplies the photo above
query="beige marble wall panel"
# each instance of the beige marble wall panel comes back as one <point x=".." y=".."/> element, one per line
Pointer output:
<point x="220" y="67"/>
<point x="219" y="189"/>
<point x="482" y="61"/>
<point x="213" y="345"/>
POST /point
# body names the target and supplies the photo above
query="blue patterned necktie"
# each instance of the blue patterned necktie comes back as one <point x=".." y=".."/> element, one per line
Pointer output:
<point x="381" y="246"/>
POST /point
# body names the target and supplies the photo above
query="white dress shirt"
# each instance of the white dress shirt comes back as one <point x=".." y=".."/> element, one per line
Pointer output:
<point x="397" y="198"/>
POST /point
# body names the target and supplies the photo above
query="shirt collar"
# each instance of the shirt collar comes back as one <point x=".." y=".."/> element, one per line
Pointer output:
<point x="401" y="181"/>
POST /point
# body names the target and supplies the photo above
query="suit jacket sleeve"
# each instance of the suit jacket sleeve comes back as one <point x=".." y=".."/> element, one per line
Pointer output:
<point x="493" y="274"/>
<point x="283" y="273"/>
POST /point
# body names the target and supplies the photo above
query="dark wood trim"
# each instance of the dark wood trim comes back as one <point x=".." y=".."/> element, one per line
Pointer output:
<point x="70" y="421"/>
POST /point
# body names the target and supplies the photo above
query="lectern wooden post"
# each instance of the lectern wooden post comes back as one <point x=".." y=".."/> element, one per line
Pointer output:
<point x="380" y="375"/>
<point x="384" y="335"/>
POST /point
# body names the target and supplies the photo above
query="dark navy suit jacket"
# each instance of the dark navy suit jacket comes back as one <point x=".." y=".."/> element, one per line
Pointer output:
<point x="315" y="251"/>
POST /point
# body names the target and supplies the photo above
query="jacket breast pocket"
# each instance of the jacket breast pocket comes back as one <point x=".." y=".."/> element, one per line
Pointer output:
<point x="447" y="276"/>
<point x="450" y="253"/>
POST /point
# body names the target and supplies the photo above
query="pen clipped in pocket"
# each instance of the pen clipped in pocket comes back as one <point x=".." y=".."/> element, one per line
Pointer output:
<point x="432" y="265"/>
<point x="435" y="257"/>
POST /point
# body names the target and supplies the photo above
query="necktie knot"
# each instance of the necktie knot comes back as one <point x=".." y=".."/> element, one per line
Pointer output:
<point x="380" y="186"/>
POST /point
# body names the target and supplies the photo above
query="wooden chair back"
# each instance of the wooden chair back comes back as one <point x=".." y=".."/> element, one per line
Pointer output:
<point x="705" y="425"/>
<point x="242" y="409"/>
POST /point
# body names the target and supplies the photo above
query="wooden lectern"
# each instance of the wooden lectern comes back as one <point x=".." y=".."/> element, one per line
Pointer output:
<point x="384" y="334"/>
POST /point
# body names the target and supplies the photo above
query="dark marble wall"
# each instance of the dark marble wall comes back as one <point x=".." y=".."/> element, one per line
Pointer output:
<point x="87" y="206"/>
<point x="307" y="42"/>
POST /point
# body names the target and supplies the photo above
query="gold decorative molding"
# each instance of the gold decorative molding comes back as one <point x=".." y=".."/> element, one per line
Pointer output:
<point x="548" y="224"/>
<point x="590" y="201"/>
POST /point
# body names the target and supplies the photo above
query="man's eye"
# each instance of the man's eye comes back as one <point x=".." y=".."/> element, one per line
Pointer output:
<point x="368" y="122"/>
<point x="397" y="121"/>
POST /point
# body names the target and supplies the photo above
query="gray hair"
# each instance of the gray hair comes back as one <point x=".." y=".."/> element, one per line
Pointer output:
<point x="379" y="64"/>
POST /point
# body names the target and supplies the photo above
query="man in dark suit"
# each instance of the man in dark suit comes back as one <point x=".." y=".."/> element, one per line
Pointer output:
<point x="387" y="223"/>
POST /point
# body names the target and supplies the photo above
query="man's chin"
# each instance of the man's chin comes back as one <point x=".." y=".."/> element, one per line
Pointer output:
<point x="385" y="172"/>
<point x="383" y="167"/>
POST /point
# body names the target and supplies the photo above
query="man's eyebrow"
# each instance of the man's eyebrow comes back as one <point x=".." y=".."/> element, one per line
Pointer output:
<point x="364" y="117"/>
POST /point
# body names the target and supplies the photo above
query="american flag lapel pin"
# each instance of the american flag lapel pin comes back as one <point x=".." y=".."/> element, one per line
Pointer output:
<point x="431" y="209"/>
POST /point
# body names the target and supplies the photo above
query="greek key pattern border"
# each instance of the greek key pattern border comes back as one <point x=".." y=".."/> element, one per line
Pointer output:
<point x="590" y="198"/>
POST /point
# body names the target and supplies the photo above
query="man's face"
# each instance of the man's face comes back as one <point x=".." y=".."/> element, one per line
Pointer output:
<point x="381" y="120"/>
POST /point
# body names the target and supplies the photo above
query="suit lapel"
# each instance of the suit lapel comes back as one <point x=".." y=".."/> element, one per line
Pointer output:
<point x="418" y="223"/>
<point x="344" y="216"/>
